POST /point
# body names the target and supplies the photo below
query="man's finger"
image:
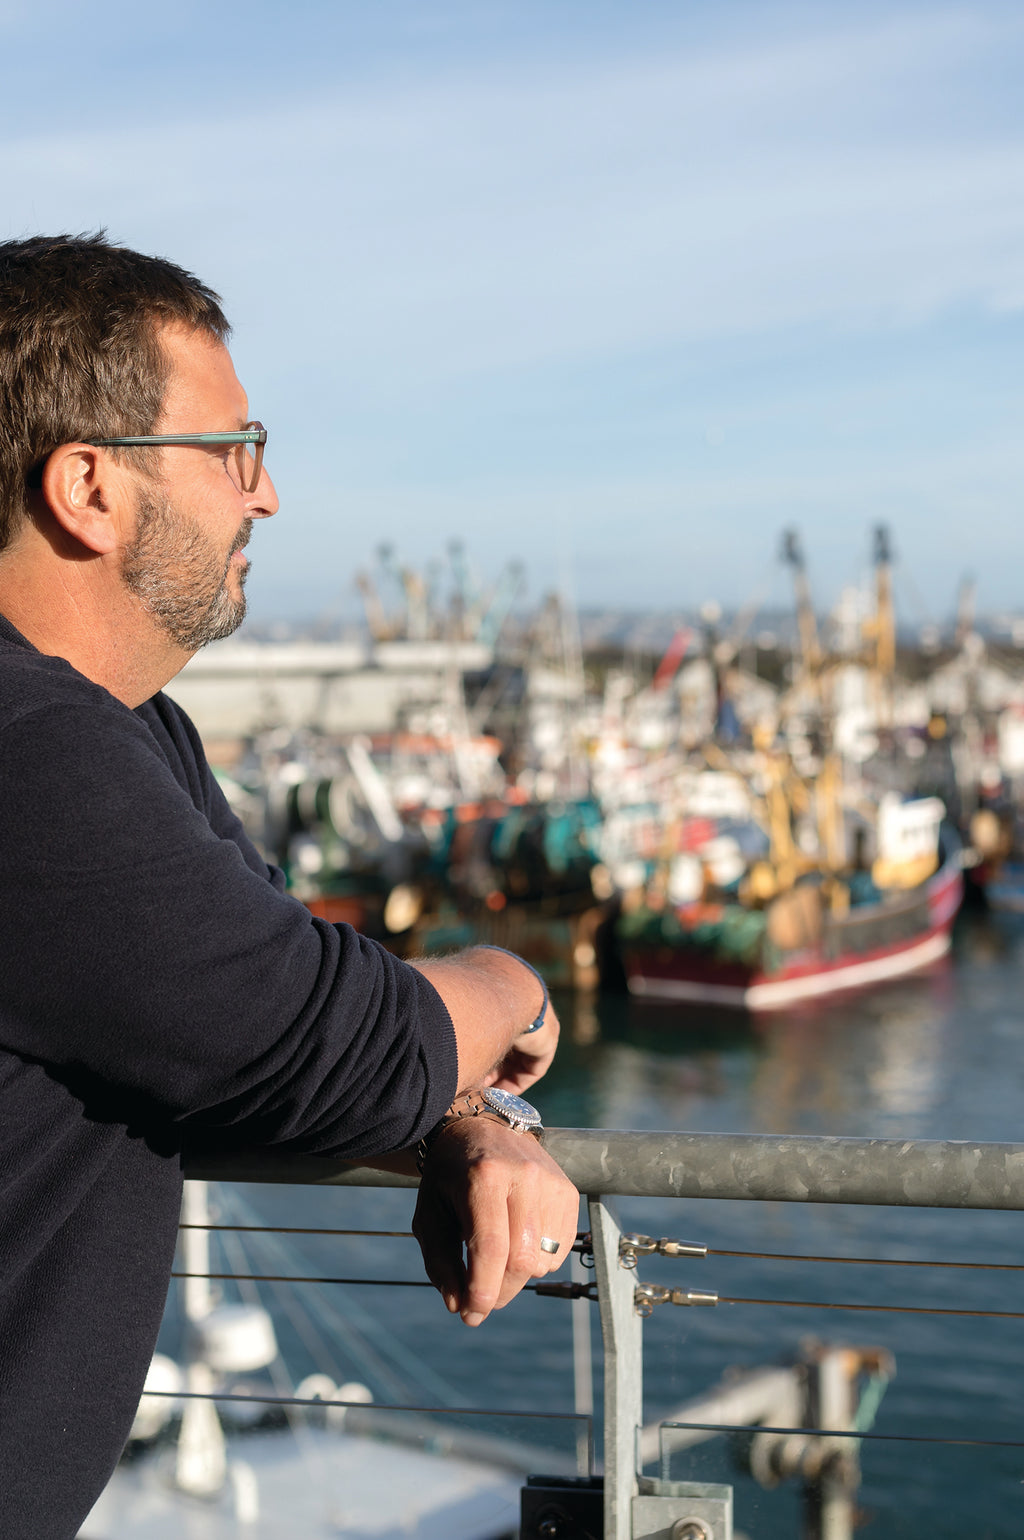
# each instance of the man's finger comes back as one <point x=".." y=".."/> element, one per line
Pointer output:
<point x="538" y="1203"/>
<point x="440" y="1241"/>
<point x="485" y="1222"/>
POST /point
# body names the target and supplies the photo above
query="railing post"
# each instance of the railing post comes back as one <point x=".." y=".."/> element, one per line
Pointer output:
<point x="582" y="1370"/>
<point x="621" y="1329"/>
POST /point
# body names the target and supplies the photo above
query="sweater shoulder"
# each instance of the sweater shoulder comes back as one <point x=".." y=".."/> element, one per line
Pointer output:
<point x="33" y="682"/>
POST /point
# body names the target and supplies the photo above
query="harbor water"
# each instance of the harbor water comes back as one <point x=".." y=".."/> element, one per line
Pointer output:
<point x="940" y="1055"/>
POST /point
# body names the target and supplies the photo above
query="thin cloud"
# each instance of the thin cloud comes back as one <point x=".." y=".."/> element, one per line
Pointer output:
<point x="479" y="225"/>
<point x="501" y="238"/>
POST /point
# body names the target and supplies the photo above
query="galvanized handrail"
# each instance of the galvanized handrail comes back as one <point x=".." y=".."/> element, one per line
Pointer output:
<point x="604" y="1163"/>
<point x="928" y="1173"/>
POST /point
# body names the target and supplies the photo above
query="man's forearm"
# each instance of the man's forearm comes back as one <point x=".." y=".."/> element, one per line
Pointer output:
<point x="492" y="999"/>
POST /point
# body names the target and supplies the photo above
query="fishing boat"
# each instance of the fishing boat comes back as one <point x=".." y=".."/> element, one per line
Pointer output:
<point x="857" y="879"/>
<point x="795" y="926"/>
<point x="729" y="955"/>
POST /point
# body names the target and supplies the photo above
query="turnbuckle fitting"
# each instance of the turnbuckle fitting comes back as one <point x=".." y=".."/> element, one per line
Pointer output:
<point x="647" y="1295"/>
<point x="633" y="1246"/>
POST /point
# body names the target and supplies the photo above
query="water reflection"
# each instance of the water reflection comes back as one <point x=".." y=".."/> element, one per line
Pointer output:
<point x="919" y="1057"/>
<point x="855" y="1066"/>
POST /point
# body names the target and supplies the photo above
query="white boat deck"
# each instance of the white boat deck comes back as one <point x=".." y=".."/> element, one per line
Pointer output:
<point x="317" y="1484"/>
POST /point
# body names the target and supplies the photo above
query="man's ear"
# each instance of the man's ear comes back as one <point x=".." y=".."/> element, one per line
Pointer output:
<point x="85" y="491"/>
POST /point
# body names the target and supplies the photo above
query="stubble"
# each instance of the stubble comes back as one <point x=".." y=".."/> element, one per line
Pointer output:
<point x="180" y="580"/>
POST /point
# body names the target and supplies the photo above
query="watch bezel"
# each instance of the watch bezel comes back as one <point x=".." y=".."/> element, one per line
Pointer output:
<point x="516" y="1110"/>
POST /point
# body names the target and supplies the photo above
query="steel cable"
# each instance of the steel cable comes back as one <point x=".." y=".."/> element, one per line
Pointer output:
<point x="785" y="1256"/>
<point x="366" y="1407"/>
<point x="295" y="1230"/>
<point x="579" y="1290"/>
<point x="882" y="1438"/>
<point x="484" y="1411"/>
<point x="817" y="1304"/>
<point x="722" y="1299"/>
<point x="712" y="1251"/>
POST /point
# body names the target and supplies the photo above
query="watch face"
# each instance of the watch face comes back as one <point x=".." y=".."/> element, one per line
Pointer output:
<point x="512" y="1107"/>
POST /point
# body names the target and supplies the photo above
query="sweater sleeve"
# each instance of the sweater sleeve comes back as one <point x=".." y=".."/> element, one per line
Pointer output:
<point x="182" y="747"/>
<point x="147" y="964"/>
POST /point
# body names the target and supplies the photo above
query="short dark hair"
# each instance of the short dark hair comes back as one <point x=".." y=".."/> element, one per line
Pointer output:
<point x="80" y="356"/>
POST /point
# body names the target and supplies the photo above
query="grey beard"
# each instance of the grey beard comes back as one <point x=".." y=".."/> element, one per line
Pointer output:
<point x="170" y="568"/>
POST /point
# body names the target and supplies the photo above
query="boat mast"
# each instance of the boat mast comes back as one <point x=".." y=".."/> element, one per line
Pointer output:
<point x="807" y="625"/>
<point x="884" y="628"/>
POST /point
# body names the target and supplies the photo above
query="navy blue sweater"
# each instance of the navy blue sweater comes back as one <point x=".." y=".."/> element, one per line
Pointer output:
<point x="158" y="990"/>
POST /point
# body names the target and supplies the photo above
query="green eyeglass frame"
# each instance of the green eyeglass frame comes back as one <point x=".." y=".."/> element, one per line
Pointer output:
<point x="249" y="440"/>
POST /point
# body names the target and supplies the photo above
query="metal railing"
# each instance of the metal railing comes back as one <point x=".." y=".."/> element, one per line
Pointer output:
<point x="929" y="1173"/>
<point x="804" y="1169"/>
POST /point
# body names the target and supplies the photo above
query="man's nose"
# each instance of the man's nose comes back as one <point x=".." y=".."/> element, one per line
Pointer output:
<point x="263" y="503"/>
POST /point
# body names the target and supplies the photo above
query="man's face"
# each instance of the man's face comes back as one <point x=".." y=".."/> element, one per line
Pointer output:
<point x="185" y="562"/>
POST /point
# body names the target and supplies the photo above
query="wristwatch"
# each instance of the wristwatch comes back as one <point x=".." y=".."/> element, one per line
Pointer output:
<point x="483" y="1101"/>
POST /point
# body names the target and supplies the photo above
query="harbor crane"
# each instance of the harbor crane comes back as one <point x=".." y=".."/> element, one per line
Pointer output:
<point x="807" y="625"/>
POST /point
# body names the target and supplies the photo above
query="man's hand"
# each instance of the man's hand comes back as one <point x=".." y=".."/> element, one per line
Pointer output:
<point x="527" y="1059"/>
<point x="497" y="1192"/>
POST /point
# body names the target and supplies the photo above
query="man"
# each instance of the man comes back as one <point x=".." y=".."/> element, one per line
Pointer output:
<point x="157" y="986"/>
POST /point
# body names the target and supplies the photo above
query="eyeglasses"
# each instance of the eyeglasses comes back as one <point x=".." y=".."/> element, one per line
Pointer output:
<point x="248" y="440"/>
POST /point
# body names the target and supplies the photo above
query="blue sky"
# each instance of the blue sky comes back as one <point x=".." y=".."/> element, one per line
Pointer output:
<point x="616" y="289"/>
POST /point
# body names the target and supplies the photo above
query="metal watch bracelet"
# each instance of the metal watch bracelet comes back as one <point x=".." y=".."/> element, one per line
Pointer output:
<point x="502" y="1106"/>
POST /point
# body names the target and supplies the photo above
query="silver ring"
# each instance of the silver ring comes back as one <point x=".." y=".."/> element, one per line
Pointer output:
<point x="548" y="1245"/>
